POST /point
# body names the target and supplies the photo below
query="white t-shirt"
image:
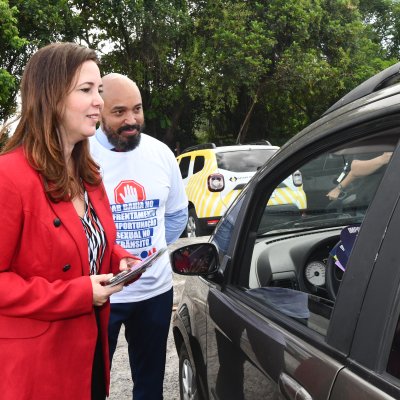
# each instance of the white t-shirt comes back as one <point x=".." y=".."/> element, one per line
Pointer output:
<point x="142" y="185"/>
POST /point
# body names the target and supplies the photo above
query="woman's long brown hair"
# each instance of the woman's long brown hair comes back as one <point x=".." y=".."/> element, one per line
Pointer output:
<point x="47" y="79"/>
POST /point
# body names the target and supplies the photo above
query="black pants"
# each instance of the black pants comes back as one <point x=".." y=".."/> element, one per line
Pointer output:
<point x="98" y="385"/>
<point x="146" y="330"/>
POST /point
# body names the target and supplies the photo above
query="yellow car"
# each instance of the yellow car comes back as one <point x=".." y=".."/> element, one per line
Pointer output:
<point x="214" y="176"/>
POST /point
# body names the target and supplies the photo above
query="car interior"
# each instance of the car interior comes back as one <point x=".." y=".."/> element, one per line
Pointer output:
<point x="299" y="258"/>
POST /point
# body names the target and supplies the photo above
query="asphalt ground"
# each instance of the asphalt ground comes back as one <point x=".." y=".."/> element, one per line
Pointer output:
<point x="121" y="383"/>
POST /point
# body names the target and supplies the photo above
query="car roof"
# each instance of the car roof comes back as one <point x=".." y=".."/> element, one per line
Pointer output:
<point x="235" y="147"/>
<point x="383" y="79"/>
<point x="379" y="95"/>
<point x="243" y="147"/>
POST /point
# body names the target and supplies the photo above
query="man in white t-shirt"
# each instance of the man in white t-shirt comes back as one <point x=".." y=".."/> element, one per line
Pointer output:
<point x="149" y="205"/>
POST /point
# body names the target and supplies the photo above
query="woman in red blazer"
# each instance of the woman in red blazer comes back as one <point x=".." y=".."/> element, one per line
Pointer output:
<point x="57" y="236"/>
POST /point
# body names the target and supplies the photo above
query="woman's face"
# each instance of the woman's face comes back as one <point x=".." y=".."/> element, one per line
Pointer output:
<point x="82" y="105"/>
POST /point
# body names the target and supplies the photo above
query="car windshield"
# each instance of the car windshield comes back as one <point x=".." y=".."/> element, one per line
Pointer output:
<point x="243" y="160"/>
<point x="338" y="187"/>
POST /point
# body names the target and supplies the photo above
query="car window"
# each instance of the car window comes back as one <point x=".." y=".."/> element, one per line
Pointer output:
<point x="223" y="234"/>
<point x="184" y="166"/>
<point x="248" y="160"/>
<point x="347" y="205"/>
<point x="300" y="255"/>
<point x="198" y="164"/>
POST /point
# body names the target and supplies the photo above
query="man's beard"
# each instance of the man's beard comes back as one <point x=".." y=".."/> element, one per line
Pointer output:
<point x="123" y="143"/>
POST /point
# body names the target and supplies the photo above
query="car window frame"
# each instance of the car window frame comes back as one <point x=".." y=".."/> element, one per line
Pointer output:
<point x="367" y="247"/>
<point x="383" y="288"/>
<point x="252" y="202"/>
<point x="376" y="324"/>
<point x="380" y="309"/>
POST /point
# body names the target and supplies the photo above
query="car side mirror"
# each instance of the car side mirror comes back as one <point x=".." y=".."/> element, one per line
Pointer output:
<point x="195" y="259"/>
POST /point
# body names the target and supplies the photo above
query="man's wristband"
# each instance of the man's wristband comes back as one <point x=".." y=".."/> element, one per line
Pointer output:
<point x="340" y="187"/>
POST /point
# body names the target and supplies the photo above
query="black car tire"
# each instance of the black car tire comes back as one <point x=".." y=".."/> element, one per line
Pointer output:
<point x="193" y="228"/>
<point x="187" y="377"/>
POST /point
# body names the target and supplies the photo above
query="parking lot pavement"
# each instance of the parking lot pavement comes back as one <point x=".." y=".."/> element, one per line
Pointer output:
<point x="121" y="386"/>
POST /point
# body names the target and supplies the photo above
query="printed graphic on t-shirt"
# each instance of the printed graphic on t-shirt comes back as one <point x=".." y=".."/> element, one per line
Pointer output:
<point x="135" y="218"/>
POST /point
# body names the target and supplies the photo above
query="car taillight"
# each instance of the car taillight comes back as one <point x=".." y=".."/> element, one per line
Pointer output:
<point x="216" y="183"/>
<point x="297" y="178"/>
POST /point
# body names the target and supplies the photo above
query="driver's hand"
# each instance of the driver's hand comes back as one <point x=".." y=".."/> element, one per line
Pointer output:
<point x="385" y="157"/>
<point x="334" y="194"/>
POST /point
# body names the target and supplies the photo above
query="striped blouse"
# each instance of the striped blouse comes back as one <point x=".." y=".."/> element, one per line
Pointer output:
<point x="95" y="236"/>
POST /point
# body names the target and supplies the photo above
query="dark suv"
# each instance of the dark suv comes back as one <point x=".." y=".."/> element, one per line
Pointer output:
<point x="304" y="306"/>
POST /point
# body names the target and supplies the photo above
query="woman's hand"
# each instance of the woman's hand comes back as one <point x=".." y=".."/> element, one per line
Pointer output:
<point x="128" y="263"/>
<point x="102" y="293"/>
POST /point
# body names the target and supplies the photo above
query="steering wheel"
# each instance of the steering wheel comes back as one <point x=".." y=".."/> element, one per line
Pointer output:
<point x="341" y="202"/>
<point x="333" y="276"/>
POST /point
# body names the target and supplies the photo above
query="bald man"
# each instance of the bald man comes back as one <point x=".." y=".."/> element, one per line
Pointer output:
<point x="149" y="205"/>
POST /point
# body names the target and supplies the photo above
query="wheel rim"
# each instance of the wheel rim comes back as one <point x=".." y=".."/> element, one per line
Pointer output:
<point x="191" y="227"/>
<point x="188" y="382"/>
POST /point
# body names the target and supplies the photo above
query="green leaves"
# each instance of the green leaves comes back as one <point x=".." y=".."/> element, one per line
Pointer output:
<point x="214" y="70"/>
<point x="10" y="45"/>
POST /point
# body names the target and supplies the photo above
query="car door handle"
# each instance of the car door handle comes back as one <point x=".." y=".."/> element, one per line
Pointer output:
<point x="292" y="390"/>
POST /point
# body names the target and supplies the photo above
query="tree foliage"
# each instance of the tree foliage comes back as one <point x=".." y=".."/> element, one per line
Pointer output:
<point x="27" y="25"/>
<point x="290" y="61"/>
<point x="217" y="70"/>
<point x="10" y="45"/>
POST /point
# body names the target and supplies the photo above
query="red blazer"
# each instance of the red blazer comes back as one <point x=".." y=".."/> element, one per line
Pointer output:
<point x="48" y="327"/>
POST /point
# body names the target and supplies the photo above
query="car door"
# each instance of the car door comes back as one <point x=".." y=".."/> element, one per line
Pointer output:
<point x="271" y="333"/>
<point x="373" y="370"/>
<point x="251" y="357"/>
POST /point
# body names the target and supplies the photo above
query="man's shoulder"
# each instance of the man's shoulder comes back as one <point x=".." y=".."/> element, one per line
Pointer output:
<point x="97" y="150"/>
<point x="154" y="143"/>
<point x="93" y="140"/>
<point x="151" y="139"/>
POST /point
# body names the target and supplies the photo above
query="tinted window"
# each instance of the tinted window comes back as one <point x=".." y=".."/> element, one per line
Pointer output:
<point x="184" y="166"/>
<point x="300" y="255"/>
<point x="247" y="160"/>
<point x="323" y="209"/>
<point x="223" y="233"/>
<point x="198" y="164"/>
